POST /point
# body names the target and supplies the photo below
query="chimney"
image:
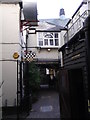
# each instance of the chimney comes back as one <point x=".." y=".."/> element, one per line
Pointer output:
<point x="62" y="13"/>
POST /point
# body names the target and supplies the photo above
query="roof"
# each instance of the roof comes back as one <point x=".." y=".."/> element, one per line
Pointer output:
<point x="56" y="21"/>
<point x="53" y="29"/>
<point x="56" y="28"/>
<point x="44" y="26"/>
<point x="10" y="1"/>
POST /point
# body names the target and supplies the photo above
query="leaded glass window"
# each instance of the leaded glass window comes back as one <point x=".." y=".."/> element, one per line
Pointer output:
<point x="48" y="39"/>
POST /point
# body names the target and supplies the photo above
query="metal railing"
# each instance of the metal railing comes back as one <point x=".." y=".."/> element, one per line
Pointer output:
<point x="76" y="26"/>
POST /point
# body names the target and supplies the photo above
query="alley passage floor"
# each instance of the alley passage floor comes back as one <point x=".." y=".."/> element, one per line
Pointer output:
<point x="47" y="105"/>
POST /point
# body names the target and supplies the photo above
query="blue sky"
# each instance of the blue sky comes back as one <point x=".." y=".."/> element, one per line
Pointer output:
<point x="51" y="8"/>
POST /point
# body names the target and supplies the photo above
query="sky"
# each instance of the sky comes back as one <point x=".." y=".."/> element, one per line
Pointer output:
<point x="50" y="8"/>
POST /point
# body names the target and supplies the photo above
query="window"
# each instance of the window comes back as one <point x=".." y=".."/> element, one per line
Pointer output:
<point x="56" y="35"/>
<point x="48" y="39"/>
<point x="51" y="41"/>
<point x="56" y="42"/>
<point x="40" y="43"/>
<point x="40" y="36"/>
<point x="45" y="41"/>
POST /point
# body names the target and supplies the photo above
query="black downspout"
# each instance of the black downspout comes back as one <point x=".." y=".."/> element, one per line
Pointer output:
<point x="27" y="80"/>
<point x="21" y="86"/>
<point x="27" y="88"/>
<point x="17" y="94"/>
<point x="87" y="37"/>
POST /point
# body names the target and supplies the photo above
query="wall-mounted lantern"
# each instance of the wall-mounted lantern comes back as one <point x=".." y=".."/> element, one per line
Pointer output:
<point x="48" y="49"/>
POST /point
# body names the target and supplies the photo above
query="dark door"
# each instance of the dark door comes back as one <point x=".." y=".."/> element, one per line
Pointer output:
<point x="65" y="109"/>
<point x="77" y="94"/>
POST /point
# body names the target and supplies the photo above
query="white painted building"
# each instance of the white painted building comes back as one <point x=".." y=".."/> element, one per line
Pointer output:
<point x="10" y="42"/>
<point x="45" y="39"/>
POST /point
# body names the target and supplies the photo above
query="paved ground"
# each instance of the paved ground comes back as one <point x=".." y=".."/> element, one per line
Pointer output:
<point x="47" y="105"/>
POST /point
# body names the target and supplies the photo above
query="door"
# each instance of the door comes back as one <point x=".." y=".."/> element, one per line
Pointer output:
<point x="65" y="110"/>
<point x="76" y="93"/>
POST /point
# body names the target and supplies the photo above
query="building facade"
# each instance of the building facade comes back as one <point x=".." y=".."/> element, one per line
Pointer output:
<point x="14" y="18"/>
<point x="44" y="42"/>
<point x="10" y="43"/>
<point x="73" y="75"/>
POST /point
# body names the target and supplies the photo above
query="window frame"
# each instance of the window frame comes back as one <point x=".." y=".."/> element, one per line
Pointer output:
<point x="55" y="36"/>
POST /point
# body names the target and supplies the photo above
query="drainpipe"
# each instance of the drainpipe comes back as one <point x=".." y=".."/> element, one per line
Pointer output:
<point x="87" y="40"/>
<point x="27" y="89"/>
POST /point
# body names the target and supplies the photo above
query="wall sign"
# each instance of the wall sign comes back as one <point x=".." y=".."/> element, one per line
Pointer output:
<point x="15" y="55"/>
<point x="76" y="56"/>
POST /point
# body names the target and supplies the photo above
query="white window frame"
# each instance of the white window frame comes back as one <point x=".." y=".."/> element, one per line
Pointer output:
<point x="42" y="37"/>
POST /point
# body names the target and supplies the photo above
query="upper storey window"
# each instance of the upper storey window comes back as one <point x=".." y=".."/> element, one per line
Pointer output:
<point x="48" y="39"/>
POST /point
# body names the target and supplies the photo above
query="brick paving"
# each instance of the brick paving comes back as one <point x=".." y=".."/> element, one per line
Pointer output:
<point x="47" y="105"/>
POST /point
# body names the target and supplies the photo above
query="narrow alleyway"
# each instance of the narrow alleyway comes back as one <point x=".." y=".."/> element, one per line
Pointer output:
<point x="47" y="105"/>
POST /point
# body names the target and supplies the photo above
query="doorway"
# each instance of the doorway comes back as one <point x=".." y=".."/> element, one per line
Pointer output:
<point x="77" y="99"/>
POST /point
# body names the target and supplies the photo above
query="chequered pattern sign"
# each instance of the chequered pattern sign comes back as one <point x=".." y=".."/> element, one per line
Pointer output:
<point x="28" y="56"/>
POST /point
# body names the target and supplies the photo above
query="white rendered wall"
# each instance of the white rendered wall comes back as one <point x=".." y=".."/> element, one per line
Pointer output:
<point x="43" y="53"/>
<point x="9" y="74"/>
<point x="10" y="43"/>
<point x="0" y="62"/>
